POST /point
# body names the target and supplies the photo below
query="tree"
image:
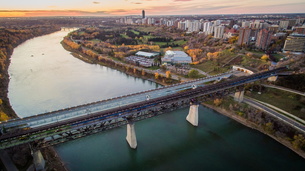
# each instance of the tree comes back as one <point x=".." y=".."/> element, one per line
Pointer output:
<point x="143" y="72"/>
<point x="157" y="76"/>
<point x="233" y="39"/>
<point x="264" y="57"/>
<point x="217" y="102"/>
<point x="193" y="73"/>
<point x="298" y="141"/>
<point x="168" y="75"/>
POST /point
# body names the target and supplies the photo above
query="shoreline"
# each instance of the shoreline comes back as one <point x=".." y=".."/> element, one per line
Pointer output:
<point x="252" y="125"/>
<point x="219" y="110"/>
<point x="12" y="114"/>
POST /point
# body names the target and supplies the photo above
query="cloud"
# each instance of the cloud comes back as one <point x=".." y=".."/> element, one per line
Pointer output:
<point x="182" y="0"/>
<point x="96" y="2"/>
<point x="137" y="3"/>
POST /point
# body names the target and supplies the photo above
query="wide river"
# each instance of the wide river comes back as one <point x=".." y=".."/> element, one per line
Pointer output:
<point x="45" y="77"/>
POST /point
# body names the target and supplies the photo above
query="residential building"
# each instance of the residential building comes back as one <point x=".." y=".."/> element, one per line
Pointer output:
<point x="206" y="26"/>
<point x="295" y="43"/>
<point x="300" y="30"/>
<point x="218" y="32"/>
<point x="263" y="39"/>
<point x="245" y="24"/>
<point x="273" y="28"/>
<point x="244" y="36"/>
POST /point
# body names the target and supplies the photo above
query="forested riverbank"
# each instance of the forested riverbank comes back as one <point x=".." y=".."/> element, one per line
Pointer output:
<point x="11" y="38"/>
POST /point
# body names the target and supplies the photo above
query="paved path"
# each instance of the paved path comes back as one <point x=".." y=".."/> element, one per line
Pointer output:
<point x="276" y="114"/>
<point x="285" y="89"/>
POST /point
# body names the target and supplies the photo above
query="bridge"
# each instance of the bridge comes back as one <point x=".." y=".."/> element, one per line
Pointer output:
<point x="72" y="123"/>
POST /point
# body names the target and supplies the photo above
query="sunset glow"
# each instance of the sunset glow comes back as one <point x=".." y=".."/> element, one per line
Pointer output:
<point x="28" y="8"/>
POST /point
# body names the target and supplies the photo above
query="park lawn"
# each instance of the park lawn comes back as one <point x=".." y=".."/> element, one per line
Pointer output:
<point x="252" y="62"/>
<point x="95" y="40"/>
<point x="81" y="33"/>
<point x="135" y="32"/>
<point x="124" y="36"/>
<point x="147" y="29"/>
<point x="286" y="101"/>
<point x="179" y="42"/>
<point x="211" y="67"/>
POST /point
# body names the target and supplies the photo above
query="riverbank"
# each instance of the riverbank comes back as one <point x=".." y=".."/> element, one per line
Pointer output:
<point x="252" y="125"/>
<point x="227" y="113"/>
<point x="128" y="69"/>
<point x="22" y="157"/>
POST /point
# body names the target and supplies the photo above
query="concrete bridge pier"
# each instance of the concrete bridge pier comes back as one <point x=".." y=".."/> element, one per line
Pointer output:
<point x="192" y="117"/>
<point x="38" y="160"/>
<point x="131" y="135"/>
<point x="239" y="96"/>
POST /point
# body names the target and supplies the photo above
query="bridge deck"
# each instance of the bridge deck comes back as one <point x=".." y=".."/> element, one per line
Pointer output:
<point x="118" y="115"/>
<point x="60" y="115"/>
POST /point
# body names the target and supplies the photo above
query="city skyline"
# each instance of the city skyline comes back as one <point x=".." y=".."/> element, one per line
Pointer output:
<point x="32" y="8"/>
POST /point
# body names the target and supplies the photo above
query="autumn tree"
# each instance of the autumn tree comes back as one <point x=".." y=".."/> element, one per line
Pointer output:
<point x="168" y="75"/>
<point x="217" y="102"/>
<point x="157" y="76"/>
<point x="298" y="141"/>
<point x="264" y="57"/>
<point x="233" y="39"/>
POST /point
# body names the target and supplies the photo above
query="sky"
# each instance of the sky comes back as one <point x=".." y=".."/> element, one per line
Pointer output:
<point x="30" y="8"/>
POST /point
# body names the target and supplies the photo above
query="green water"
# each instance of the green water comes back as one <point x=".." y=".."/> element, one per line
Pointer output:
<point x="169" y="142"/>
<point x="52" y="79"/>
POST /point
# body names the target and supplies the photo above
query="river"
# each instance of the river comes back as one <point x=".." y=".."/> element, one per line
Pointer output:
<point x="45" y="77"/>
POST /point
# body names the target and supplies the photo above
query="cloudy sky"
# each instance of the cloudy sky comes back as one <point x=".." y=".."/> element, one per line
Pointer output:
<point x="25" y="8"/>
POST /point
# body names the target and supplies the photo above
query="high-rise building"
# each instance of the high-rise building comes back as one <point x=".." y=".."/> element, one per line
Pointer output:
<point x="244" y="36"/>
<point x="143" y="14"/>
<point x="263" y="39"/>
<point x="245" y="24"/>
<point x="295" y="43"/>
<point x="300" y="30"/>
<point x="218" y="31"/>
<point x="287" y="24"/>
<point x="206" y="26"/>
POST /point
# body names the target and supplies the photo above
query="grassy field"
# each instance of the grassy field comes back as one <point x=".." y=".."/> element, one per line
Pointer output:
<point x="135" y="32"/>
<point x="211" y="67"/>
<point x="179" y="42"/>
<point x="286" y="101"/>
<point x="147" y="29"/>
<point x="124" y="36"/>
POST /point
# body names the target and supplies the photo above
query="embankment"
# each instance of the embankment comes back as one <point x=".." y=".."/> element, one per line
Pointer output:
<point x="262" y="120"/>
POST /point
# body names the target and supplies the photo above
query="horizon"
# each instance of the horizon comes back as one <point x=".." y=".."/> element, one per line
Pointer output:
<point x="100" y="8"/>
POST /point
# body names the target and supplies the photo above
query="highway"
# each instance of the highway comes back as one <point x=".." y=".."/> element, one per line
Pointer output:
<point x="87" y="109"/>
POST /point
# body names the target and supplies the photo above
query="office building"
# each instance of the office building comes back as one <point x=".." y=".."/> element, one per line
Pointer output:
<point x="143" y="14"/>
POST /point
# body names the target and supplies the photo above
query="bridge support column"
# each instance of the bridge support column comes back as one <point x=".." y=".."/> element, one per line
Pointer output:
<point x="239" y="96"/>
<point x="192" y="117"/>
<point x="38" y="160"/>
<point x="131" y="135"/>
